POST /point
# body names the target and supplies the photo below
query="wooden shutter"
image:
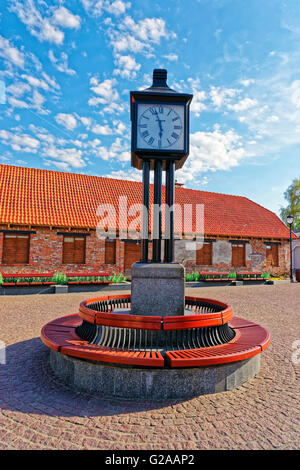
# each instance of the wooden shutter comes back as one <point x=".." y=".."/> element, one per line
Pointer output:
<point x="269" y="255"/>
<point x="275" y="255"/>
<point x="79" y="250"/>
<point x="110" y="251"/>
<point x="73" y="250"/>
<point x="132" y="253"/>
<point x="204" y="254"/>
<point x="238" y="254"/>
<point x="68" y="250"/>
<point x="15" y="249"/>
<point x="22" y="249"/>
<point x="272" y="255"/>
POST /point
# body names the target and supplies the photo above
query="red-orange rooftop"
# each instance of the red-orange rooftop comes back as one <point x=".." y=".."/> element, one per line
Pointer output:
<point x="37" y="197"/>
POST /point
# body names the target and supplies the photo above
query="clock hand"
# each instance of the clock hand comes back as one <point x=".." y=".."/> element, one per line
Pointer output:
<point x="160" y="126"/>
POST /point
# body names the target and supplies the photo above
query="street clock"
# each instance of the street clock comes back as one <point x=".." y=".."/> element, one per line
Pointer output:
<point x="160" y="123"/>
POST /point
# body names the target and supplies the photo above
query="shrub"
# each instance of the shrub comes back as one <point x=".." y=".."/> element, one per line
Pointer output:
<point x="60" y="278"/>
<point x="232" y="275"/>
<point x="265" y="275"/>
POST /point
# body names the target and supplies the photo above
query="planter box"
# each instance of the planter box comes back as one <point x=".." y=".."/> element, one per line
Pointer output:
<point x="17" y="289"/>
<point x="22" y="289"/>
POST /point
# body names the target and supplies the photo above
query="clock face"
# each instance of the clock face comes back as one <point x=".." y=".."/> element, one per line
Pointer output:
<point x="160" y="126"/>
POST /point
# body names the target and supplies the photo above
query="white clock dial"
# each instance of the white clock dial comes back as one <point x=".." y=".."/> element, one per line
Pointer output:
<point x="160" y="126"/>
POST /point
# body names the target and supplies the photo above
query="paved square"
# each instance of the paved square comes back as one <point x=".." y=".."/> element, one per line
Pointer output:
<point x="39" y="412"/>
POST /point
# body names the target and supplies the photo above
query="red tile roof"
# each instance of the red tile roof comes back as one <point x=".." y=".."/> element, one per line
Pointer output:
<point x="41" y="197"/>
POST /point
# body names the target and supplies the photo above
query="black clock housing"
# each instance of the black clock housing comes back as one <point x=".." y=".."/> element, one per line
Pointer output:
<point x="159" y="94"/>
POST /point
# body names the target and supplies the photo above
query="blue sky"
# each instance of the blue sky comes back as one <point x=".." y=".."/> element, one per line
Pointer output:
<point x="66" y="69"/>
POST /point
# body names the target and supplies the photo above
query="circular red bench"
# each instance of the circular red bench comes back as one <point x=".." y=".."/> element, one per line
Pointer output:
<point x="250" y="338"/>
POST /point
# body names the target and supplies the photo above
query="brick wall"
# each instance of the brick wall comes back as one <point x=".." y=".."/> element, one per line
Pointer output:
<point x="255" y="256"/>
<point x="46" y="255"/>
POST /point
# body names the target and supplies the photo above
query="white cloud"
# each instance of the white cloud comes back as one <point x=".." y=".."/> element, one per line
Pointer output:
<point x="199" y="96"/>
<point x="113" y="108"/>
<point x="93" y="7"/>
<point x="148" y="29"/>
<point x="117" y="151"/>
<point x="35" y="82"/>
<point x="123" y="42"/>
<point x="10" y="53"/>
<point x="243" y="104"/>
<point x="127" y="67"/>
<point x="51" y="81"/>
<point x="37" y="102"/>
<point x="211" y="151"/>
<point x="119" y="127"/>
<point x="16" y="103"/>
<point x="221" y="96"/>
<point x="247" y="82"/>
<point x="107" y="95"/>
<point x="131" y="174"/>
<point x="18" y="89"/>
<point x="63" y="17"/>
<point x="171" y="57"/>
<point x="66" y="120"/>
<point x="102" y="130"/>
<point x="86" y="121"/>
<point x="295" y="95"/>
<point x="64" y="157"/>
<point x="39" y="26"/>
<point x="19" y="141"/>
<point x="104" y="90"/>
<point x="138" y="37"/>
<point x="61" y="64"/>
<point x="117" y="7"/>
<point x="96" y="7"/>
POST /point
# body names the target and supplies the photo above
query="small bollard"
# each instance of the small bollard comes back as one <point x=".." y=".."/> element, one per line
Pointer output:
<point x="61" y="289"/>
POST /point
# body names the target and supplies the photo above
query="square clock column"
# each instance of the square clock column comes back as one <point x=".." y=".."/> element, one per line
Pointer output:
<point x="159" y="143"/>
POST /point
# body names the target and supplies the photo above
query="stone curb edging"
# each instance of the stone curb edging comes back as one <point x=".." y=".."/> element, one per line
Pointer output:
<point x="62" y="288"/>
<point x="108" y="380"/>
<point x="229" y="283"/>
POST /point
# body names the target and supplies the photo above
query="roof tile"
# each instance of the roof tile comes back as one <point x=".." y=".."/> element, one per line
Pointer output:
<point x="46" y="197"/>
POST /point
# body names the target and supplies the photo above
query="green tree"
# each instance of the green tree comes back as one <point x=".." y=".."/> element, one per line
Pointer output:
<point x="292" y="195"/>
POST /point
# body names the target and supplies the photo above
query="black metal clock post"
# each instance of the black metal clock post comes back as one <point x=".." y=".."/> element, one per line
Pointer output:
<point x="160" y="142"/>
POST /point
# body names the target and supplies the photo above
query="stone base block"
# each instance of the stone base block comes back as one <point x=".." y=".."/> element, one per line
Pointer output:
<point x="157" y="289"/>
<point x="139" y="383"/>
<point x="61" y="289"/>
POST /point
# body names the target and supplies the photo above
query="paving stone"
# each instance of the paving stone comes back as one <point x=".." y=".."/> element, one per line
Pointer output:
<point x="37" y="411"/>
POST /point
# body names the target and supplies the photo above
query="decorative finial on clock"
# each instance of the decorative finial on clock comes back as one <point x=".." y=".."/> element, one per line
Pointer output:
<point x="160" y="78"/>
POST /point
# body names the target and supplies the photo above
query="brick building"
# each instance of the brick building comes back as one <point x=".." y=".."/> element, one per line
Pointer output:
<point x="48" y="223"/>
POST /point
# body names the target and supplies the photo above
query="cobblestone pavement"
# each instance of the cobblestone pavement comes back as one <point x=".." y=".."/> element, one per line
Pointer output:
<point x="37" y="411"/>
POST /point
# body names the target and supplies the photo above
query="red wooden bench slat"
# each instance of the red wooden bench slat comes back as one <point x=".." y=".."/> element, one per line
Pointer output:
<point x="59" y="335"/>
<point x="253" y="334"/>
<point x="123" y="323"/>
<point x="56" y="336"/>
<point x="181" y="325"/>
<point x="238" y="322"/>
<point x="250" y="339"/>
<point x="213" y="356"/>
<point x="121" y="320"/>
<point x="72" y="320"/>
<point x="113" y="356"/>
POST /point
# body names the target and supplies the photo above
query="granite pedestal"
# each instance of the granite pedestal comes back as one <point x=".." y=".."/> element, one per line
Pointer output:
<point x="157" y="289"/>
